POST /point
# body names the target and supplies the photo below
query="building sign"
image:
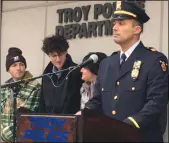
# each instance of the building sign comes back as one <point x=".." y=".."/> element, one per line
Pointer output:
<point x="70" y="18"/>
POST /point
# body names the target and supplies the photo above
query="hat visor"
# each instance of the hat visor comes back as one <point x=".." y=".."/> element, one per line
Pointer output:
<point x="122" y="17"/>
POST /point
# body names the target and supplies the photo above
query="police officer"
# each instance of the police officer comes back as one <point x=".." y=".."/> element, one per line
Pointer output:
<point x="132" y="84"/>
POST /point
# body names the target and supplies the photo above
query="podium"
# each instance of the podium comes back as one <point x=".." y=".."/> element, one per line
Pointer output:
<point x="89" y="127"/>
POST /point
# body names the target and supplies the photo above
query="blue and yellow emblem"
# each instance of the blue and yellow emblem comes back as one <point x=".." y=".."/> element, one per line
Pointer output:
<point x="163" y="66"/>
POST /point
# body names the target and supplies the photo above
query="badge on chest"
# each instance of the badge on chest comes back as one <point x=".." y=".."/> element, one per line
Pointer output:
<point x="136" y="69"/>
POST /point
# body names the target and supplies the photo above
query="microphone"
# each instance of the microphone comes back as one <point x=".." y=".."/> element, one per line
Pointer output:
<point x="92" y="59"/>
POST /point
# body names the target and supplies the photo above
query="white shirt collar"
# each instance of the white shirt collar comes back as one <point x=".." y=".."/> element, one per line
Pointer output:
<point x="129" y="51"/>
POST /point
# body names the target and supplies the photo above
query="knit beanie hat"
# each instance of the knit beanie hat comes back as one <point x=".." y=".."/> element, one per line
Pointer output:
<point x="14" y="55"/>
<point x="94" y="67"/>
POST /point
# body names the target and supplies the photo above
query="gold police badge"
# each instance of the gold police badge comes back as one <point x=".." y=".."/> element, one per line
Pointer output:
<point x="136" y="69"/>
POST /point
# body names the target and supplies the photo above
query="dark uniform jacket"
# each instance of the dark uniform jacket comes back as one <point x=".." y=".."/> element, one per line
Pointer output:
<point x="65" y="97"/>
<point x="136" y="93"/>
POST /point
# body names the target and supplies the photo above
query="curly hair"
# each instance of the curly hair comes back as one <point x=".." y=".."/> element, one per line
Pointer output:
<point x="55" y="43"/>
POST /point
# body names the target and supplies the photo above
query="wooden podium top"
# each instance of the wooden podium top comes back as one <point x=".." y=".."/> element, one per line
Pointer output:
<point x="102" y="128"/>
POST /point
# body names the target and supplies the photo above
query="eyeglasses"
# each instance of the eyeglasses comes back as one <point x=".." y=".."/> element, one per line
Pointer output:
<point x="53" y="55"/>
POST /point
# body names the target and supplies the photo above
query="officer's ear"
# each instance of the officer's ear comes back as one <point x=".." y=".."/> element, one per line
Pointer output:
<point x="137" y="27"/>
<point x="137" y="30"/>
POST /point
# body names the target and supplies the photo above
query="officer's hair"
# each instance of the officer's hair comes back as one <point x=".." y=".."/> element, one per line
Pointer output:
<point x="137" y="23"/>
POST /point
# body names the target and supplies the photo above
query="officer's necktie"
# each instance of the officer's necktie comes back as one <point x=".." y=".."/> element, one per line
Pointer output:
<point x="123" y="58"/>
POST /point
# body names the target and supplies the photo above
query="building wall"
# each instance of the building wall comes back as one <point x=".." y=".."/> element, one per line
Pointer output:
<point x="26" y="23"/>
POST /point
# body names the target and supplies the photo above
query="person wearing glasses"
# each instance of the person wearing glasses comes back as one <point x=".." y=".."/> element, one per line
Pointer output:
<point x="60" y="92"/>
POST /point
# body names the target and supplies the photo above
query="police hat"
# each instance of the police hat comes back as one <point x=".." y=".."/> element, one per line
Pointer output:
<point x="129" y="10"/>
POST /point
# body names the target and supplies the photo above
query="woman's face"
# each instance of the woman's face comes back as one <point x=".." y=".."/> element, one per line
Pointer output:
<point x="87" y="75"/>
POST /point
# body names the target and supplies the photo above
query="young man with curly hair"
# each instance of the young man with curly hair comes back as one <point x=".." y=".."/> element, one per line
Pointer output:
<point x="59" y="95"/>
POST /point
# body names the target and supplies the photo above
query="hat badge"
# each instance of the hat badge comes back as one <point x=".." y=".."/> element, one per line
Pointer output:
<point x="118" y="5"/>
<point x="16" y="58"/>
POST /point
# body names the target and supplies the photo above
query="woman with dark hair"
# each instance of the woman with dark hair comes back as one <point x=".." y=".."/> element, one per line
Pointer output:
<point x="60" y="94"/>
<point x="89" y="75"/>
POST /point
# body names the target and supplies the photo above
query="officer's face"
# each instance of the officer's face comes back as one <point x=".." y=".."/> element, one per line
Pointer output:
<point x="124" y="31"/>
<point x="87" y="75"/>
<point x="58" y="59"/>
<point x="17" y="70"/>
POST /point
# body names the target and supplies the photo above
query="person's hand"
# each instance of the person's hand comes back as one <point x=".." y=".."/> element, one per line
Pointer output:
<point x="24" y="110"/>
<point x="78" y="113"/>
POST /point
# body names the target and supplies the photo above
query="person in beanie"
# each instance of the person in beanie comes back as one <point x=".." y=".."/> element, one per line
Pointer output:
<point x="89" y="75"/>
<point x="27" y="97"/>
<point x="60" y="93"/>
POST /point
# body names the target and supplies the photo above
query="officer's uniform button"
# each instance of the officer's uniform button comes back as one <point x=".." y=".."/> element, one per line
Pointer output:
<point x="118" y="83"/>
<point x="113" y="112"/>
<point x="133" y="88"/>
<point x="115" y="97"/>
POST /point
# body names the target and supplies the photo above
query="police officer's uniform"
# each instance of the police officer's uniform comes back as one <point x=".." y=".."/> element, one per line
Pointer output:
<point x="137" y="91"/>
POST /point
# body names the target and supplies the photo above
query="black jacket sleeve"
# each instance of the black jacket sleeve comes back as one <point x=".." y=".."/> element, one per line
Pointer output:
<point x="72" y="103"/>
<point x="42" y="101"/>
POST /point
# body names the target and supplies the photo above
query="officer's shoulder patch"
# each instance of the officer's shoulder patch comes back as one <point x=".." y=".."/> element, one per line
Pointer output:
<point x="116" y="52"/>
<point x="151" y="49"/>
<point x="163" y="65"/>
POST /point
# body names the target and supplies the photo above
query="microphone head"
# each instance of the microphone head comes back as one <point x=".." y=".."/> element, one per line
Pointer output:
<point x="94" y="57"/>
